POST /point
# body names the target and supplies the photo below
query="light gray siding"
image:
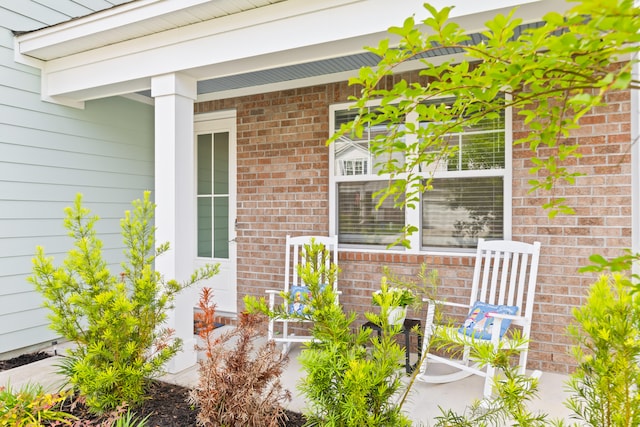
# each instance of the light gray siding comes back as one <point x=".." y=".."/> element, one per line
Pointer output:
<point x="48" y="154"/>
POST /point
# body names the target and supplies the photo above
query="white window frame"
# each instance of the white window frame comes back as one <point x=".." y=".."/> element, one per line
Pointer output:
<point x="413" y="215"/>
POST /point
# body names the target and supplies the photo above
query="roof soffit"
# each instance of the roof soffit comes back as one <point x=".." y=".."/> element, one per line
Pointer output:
<point x="273" y="37"/>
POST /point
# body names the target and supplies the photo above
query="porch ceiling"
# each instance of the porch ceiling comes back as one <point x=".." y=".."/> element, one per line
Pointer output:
<point x="231" y="47"/>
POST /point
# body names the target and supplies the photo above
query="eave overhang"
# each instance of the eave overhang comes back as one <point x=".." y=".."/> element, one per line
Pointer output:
<point x="119" y="51"/>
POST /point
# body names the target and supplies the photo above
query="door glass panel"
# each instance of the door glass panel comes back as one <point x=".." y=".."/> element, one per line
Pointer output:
<point x="221" y="164"/>
<point x="221" y="227"/>
<point x="204" y="164"/>
<point x="204" y="227"/>
<point x="221" y="195"/>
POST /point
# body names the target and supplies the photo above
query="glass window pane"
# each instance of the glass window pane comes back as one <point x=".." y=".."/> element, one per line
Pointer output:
<point x="359" y="222"/>
<point x="460" y="210"/>
<point x="490" y="122"/>
<point x="204" y="227"/>
<point x="379" y="159"/>
<point x="204" y="164"/>
<point x="349" y="150"/>
<point x="353" y="156"/>
<point x="482" y="151"/>
<point x="221" y="227"/>
<point x="221" y="163"/>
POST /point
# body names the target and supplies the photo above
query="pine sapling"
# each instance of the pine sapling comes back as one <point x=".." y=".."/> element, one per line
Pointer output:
<point x="115" y="321"/>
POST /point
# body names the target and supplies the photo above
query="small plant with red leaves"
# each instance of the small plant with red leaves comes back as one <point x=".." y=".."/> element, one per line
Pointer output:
<point x="239" y="383"/>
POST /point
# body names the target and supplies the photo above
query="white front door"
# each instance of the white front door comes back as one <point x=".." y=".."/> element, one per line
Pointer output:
<point x="215" y="147"/>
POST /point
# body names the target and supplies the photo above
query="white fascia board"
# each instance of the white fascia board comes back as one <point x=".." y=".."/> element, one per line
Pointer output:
<point x="285" y="33"/>
<point x="106" y="20"/>
<point x="220" y="41"/>
<point x="32" y="43"/>
<point x="142" y="10"/>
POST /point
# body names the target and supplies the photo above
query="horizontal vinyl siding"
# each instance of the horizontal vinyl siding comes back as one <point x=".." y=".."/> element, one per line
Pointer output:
<point x="48" y="154"/>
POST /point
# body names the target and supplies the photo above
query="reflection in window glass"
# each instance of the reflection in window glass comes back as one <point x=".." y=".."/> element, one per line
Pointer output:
<point x="458" y="211"/>
<point x="353" y="155"/>
<point x="359" y="221"/>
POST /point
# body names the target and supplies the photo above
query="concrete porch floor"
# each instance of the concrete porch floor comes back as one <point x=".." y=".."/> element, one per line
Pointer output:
<point x="422" y="406"/>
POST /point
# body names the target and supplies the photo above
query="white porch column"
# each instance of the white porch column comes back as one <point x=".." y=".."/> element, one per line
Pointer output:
<point x="175" y="199"/>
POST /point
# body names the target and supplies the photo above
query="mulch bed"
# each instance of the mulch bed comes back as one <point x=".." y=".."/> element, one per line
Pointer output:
<point x="166" y="407"/>
<point x="23" y="359"/>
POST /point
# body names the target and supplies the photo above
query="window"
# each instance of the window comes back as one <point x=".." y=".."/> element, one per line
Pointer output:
<point x="213" y="195"/>
<point x="467" y="200"/>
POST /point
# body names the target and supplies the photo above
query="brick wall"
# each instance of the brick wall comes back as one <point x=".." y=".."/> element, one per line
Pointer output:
<point x="601" y="224"/>
<point x="283" y="188"/>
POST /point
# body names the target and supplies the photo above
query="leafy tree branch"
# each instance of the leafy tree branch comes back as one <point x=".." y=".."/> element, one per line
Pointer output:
<point x="550" y="75"/>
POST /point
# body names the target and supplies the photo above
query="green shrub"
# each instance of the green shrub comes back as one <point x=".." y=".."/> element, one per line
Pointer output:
<point x="115" y="321"/>
<point x="31" y="406"/>
<point x="346" y="383"/>
<point x="605" y="386"/>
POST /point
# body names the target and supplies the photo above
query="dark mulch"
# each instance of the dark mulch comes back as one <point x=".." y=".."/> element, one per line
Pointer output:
<point x="23" y="359"/>
<point x="166" y="407"/>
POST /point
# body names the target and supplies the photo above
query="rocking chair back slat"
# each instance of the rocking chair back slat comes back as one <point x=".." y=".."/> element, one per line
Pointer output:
<point x="295" y="255"/>
<point x="507" y="273"/>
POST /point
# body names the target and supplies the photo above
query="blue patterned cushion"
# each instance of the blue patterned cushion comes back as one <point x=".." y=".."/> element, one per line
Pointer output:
<point x="300" y="296"/>
<point x="478" y="324"/>
<point x="299" y="299"/>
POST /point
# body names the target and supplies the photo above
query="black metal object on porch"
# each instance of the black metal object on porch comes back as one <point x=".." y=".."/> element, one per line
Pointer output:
<point x="408" y="326"/>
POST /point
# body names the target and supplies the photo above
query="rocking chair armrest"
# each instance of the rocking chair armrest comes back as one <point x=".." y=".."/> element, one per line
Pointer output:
<point x="277" y="292"/>
<point x="518" y="320"/>
<point x="431" y="312"/>
<point x="497" y="325"/>
<point x="273" y="292"/>
<point x="448" y="303"/>
<point x="506" y="316"/>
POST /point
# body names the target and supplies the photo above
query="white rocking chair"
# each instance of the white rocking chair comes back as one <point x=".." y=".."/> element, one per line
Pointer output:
<point x="295" y="255"/>
<point x="505" y="275"/>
